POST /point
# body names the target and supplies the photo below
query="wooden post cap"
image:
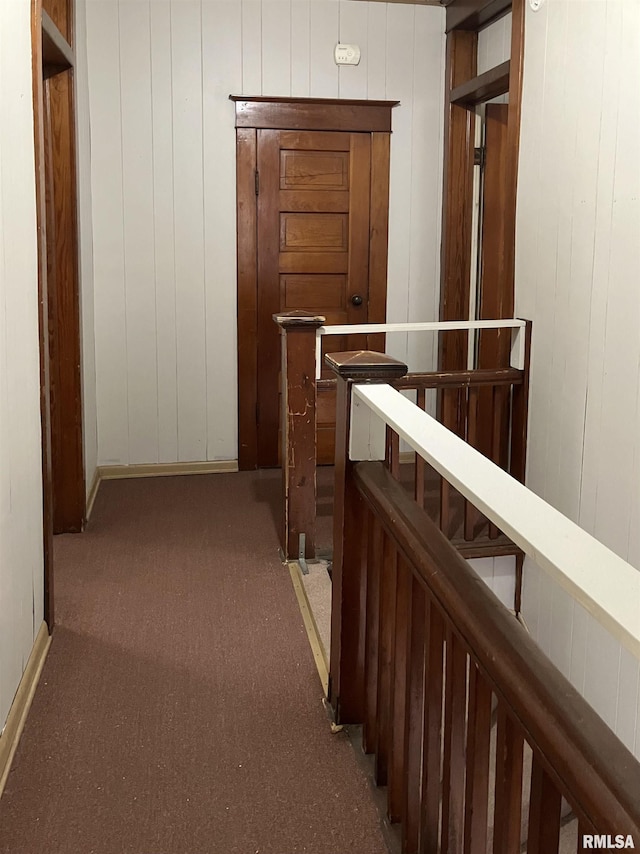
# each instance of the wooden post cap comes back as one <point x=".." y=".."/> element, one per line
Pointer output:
<point x="293" y="319"/>
<point x="365" y="365"/>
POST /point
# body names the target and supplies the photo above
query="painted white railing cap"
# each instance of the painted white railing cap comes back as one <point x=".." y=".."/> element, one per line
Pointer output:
<point x="606" y="585"/>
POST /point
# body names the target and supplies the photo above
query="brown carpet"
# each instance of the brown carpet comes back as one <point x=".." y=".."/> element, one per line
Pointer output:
<point x="179" y="711"/>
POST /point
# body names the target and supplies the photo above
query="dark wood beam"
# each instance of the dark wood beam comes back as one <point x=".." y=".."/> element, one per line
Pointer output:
<point x="482" y="88"/>
<point x="474" y="15"/>
<point x="313" y="114"/>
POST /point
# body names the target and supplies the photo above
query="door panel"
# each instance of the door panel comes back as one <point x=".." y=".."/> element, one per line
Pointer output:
<point x="315" y="200"/>
<point x="313" y="254"/>
<point x="314" y="262"/>
<point x="300" y="170"/>
<point x="314" y="232"/>
<point x="304" y="292"/>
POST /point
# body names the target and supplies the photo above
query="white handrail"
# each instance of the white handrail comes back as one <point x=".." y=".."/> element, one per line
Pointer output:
<point x="606" y="585"/>
<point x="517" y="341"/>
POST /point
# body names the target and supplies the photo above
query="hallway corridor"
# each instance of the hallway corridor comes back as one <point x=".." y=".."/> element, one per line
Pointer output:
<point x="179" y="710"/>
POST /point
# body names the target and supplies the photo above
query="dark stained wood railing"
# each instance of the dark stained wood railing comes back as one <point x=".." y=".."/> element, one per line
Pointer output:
<point x="502" y="438"/>
<point x="506" y="391"/>
<point x="455" y="700"/>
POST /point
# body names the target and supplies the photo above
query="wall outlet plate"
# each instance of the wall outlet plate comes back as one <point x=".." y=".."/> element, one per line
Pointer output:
<point x="347" y="54"/>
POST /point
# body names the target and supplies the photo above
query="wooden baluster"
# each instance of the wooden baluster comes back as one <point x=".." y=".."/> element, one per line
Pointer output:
<point x="397" y="757"/>
<point x="414" y="723"/>
<point x="471" y="515"/>
<point x="449" y="399"/>
<point x="517" y="603"/>
<point x="432" y="759"/>
<point x="454" y="746"/>
<point x="478" y="746"/>
<point x="393" y="453"/>
<point x="508" y="786"/>
<point x="544" y="812"/>
<point x="496" y="431"/>
<point x="421" y="402"/>
<point x="298" y="429"/>
<point x="348" y="594"/>
<point x="502" y="454"/>
<point x="348" y="589"/>
<point x="372" y="632"/>
<point x="386" y="644"/>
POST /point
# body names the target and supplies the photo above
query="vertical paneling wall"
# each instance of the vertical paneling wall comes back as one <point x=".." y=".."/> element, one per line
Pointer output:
<point x="578" y="262"/>
<point x="594" y="661"/>
<point x="21" y="562"/>
<point x="494" y="44"/>
<point x="499" y="574"/>
<point x="578" y="278"/>
<point x="163" y="191"/>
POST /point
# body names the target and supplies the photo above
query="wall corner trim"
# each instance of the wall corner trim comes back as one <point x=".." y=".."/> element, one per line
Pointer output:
<point x="10" y="736"/>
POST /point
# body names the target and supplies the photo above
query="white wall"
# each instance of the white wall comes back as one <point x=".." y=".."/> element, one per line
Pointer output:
<point x="578" y="278"/>
<point x="85" y="229"/>
<point x="494" y="44"/>
<point x="21" y="562"/>
<point x="163" y="191"/>
<point x="499" y="574"/>
<point x="598" y="665"/>
<point x="578" y="262"/>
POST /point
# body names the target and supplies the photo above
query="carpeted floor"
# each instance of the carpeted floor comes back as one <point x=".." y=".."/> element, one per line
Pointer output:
<point x="179" y="711"/>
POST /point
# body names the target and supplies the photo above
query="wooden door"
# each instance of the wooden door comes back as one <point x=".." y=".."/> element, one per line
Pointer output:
<point x="313" y="254"/>
<point x="312" y="207"/>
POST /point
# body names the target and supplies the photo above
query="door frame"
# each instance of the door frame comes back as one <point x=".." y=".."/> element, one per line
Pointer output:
<point x="464" y="90"/>
<point x="53" y="60"/>
<point x="305" y="114"/>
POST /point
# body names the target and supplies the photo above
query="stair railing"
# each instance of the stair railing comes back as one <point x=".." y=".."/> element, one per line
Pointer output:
<point x="486" y="407"/>
<point x="451" y="691"/>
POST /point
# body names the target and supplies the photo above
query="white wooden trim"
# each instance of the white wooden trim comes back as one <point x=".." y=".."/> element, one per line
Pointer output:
<point x="22" y="703"/>
<point x="166" y="469"/>
<point x="518" y="347"/>
<point x="607" y="586"/>
<point x="431" y="326"/>
<point x="315" y="641"/>
<point x="91" y="498"/>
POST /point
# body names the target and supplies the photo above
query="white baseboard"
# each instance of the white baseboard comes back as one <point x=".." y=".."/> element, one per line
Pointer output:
<point x="22" y="703"/>
<point x="166" y="469"/>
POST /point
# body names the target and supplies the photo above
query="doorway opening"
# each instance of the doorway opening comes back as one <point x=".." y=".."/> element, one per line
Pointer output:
<point x="56" y="201"/>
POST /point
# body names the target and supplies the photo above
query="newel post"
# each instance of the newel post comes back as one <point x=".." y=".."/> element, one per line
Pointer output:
<point x="298" y="430"/>
<point x="346" y="669"/>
